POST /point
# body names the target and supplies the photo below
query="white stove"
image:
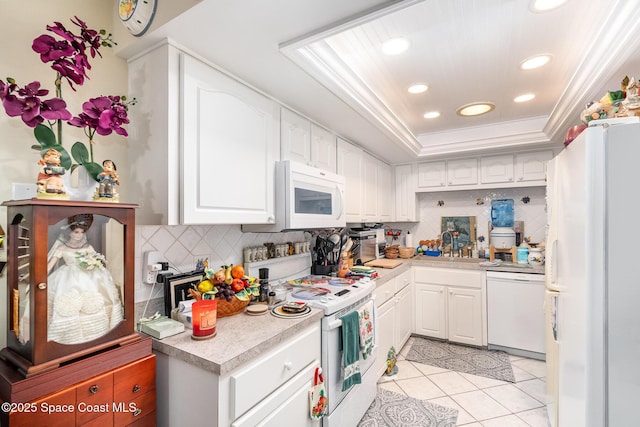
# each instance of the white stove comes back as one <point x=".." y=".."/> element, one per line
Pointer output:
<point x="336" y="297"/>
<point x="330" y="294"/>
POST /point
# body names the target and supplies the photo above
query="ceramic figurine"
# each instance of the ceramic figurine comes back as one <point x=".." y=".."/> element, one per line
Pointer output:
<point x="49" y="184"/>
<point x="108" y="179"/>
<point x="392" y="358"/>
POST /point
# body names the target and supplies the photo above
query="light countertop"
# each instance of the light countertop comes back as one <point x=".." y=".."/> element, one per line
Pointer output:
<point x="240" y="338"/>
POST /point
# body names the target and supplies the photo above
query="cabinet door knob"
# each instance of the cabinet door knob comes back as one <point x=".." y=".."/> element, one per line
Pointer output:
<point x="288" y="365"/>
<point x="93" y="389"/>
<point x="136" y="388"/>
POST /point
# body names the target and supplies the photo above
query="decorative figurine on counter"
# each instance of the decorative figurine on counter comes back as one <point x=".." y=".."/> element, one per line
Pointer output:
<point x="49" y="182"/>
<point x="392" y="358"/>
<point x="83" y="300"/>
<point x="108" y="179"/>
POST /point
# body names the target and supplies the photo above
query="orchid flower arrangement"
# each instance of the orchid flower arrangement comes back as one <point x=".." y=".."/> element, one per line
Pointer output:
<point x="68" y="54"/>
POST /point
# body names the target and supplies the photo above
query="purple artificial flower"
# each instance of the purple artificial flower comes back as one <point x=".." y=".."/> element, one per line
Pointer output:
<point x="29" y="106"/>
<point x="102" y="115"/>
<point x="51" y="49"/>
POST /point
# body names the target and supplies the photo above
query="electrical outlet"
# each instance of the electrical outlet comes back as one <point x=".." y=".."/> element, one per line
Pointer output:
<point x="149" y="267"/>
<point x="23" y="191"/>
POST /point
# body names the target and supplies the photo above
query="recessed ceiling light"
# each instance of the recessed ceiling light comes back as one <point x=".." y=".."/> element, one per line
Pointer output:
<point x="431" y="115"/>
<point x="418" y="88"/>
<point x="524" y="98"/>
<point x="535" y="62"/>
<point x="545" y="5"/>
<point x="395" y="46"/>
<point x="475" y="108"/>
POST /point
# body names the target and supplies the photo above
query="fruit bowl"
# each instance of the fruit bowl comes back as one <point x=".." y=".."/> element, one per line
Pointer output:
<point x="229" y="308"/>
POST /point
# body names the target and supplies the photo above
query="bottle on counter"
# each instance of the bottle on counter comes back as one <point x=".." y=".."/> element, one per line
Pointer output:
<point x="523" y="253"/>
<point x="264" y="285"/>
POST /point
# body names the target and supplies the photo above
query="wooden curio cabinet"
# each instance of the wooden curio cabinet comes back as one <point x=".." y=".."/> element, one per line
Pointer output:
<point x="70" y="281"/>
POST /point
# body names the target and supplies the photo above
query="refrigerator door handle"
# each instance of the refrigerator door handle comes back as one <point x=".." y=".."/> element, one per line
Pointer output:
<point x="554" y="262"/>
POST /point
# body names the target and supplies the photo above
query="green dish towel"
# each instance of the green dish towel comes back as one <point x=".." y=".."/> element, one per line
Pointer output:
<point x="351" y="350"/>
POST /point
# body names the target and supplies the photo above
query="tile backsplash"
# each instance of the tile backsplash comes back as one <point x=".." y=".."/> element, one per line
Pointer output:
<point x="433" y="206"/>
<point x="182" y="246"/>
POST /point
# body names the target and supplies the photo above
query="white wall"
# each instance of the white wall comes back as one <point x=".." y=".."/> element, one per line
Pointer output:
<point x="21" y="24"/>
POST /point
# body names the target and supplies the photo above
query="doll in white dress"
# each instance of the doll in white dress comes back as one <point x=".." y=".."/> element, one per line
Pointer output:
<point x="83" y="300"/>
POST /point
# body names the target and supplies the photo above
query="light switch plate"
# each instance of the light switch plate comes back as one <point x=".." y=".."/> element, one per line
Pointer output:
<point x="23" y="191"/>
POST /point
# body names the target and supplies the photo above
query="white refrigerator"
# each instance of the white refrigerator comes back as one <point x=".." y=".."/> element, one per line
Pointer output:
<point x="593" y="265"/>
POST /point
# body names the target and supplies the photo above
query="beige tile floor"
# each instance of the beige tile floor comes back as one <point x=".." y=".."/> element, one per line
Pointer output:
<point x="480" y="401"/>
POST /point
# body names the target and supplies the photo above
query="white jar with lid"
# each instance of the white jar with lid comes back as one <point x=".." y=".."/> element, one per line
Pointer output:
<point x="535" y="256"/>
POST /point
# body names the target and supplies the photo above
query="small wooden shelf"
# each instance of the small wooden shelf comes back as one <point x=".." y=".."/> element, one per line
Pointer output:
<point x="512" y="250"/>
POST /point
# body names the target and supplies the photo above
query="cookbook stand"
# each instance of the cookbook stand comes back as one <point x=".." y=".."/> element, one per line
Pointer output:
<point x="512" y="250"/>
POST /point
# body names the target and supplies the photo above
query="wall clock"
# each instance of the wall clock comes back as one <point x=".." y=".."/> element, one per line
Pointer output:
<point x="137" y="15"/>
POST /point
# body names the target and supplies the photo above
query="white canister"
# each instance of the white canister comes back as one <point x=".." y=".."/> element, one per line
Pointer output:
<point x="535" y="256"/>
<point x="503" y="238"/>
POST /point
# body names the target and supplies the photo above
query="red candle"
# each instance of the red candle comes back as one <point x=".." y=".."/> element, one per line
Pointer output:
<point x="203" y="319"/>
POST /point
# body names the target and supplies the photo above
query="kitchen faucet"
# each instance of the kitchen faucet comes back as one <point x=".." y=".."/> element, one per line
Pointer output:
<point x="450" y="241"/>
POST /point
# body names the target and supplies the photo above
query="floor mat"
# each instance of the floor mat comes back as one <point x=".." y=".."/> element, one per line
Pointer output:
<point x="397" y="410"/>
<point x="485" y="363"/>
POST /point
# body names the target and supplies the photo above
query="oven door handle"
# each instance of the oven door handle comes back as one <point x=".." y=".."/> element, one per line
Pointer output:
<point x="335" y="324"/>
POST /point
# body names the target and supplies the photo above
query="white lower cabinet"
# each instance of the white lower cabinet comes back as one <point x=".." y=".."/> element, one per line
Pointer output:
<point x="431" y="311"/>
<point x="449" y="304"/>
<point x="385" y="324"/>
<point x="394" y="316"/>
<point x="464" y="307"/>
<point x="271" y="390"/>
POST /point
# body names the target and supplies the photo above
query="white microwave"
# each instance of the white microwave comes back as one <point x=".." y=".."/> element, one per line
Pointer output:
<point x="306" y="198"/>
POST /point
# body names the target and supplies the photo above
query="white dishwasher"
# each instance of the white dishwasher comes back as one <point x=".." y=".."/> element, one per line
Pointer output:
<point x="515" y="313"/>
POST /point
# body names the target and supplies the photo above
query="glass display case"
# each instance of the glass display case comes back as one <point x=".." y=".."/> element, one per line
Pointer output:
<point x="69" y="282"/>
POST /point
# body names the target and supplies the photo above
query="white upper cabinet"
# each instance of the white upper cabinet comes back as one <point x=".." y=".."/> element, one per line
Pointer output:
<point x="496" y="169"/>
<point x="349" y="165"/>
<point x="526" y="169"/>
<point x="323" y="148"/>
<point x="295" y="137"/>
<point x="405" y="194"/>
<point x="203" y="145"/>
<point x="432" y="174"/>
<point x="385" y="192"/>
<point x="306" y="142"/>
<point x="370" y="188"/>
<point x="532" y="166"/>
<point x="462" y="172"/>
<point x="229" y="142"/>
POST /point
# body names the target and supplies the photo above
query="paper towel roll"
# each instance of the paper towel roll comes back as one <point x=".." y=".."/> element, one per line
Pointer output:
<point x="408" y="240"/>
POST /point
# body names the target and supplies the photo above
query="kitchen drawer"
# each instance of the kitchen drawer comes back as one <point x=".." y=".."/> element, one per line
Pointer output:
<point x="256" y="381"/>
<point x="448" y="276"/>
<point x="288" y="406"/>
<point x="385" y="292"/>
<point x="135" y="379"/>
<point x="94" y="393"/>
<point x="42" y="418"/>
<point x="403" y="280"/>
<point x="136" y="411"/>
